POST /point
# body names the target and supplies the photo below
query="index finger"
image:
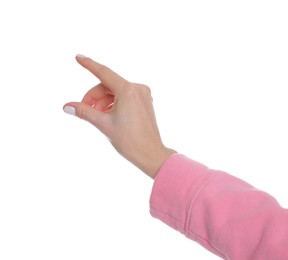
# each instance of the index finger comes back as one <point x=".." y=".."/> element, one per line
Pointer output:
<point x="109" y="78"/>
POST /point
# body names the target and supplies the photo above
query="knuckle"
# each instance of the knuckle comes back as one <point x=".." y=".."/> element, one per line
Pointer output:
<point x="130" y="89"/>
<point x="128" y="86"/>
<point x="137" y="91"/>
<point x="146" y="89"/>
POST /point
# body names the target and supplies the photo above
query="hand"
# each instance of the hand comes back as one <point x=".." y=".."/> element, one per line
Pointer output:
<point x="122" y="111"/>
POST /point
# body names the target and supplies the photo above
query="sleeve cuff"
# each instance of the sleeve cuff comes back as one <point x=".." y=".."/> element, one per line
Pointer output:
<point x="176" y="185"/>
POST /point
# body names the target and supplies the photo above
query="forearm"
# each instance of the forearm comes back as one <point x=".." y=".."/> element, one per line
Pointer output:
<point x="226" y="215"/>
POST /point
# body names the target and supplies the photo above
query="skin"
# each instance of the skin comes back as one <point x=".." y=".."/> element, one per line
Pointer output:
<point x="123" y="112"/>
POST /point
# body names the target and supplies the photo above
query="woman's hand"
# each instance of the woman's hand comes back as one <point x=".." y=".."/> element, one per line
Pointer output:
<point x="122" y="111"/>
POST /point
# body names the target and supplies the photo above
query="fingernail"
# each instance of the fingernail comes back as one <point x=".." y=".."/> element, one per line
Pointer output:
<point x="81" y="56"/>
<point x="70" y="110"/>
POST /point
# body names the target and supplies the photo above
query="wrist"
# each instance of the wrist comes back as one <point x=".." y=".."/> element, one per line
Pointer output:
<point x="152" y="163"/>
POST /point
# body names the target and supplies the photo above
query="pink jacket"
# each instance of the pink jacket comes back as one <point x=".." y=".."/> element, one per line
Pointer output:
<point x="224" y="214"/>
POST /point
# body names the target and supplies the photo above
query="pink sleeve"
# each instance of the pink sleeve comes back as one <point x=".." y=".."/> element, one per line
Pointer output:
<point x="224" y="214"/>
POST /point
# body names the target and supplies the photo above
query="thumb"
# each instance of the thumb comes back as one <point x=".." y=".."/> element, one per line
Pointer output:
<point x="86" y="112"/>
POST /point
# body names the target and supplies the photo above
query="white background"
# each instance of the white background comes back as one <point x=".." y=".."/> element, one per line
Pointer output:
<point x="218" y="74"/>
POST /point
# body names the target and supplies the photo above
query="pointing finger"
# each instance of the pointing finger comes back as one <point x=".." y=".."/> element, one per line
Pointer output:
<point x="109" y="78"/>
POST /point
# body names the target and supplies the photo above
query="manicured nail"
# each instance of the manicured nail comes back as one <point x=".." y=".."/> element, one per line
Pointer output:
<point x="81" y="56"/>
<point x="70" y="110"/>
